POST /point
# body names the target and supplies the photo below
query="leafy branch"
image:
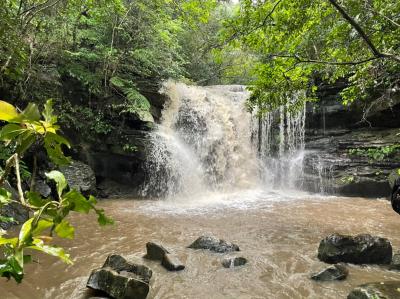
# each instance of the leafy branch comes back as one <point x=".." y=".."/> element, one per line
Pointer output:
<point x="49" y="214"/>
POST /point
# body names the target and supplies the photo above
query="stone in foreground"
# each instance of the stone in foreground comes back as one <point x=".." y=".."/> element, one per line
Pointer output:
<point x="334" y="272"/>
<point x="120" y="279"/>
<point x="172" y="263"/>
<point x="395" y="264"/>
<point x="234" y="262"/>
<point x="378" y="290"/>
<point x="213" y="244"/>
<point x="155" y="251"/>
<point x="361" y="249"/>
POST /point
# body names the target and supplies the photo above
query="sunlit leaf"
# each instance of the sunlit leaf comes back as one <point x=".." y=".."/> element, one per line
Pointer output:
<point x="7" y="112"/>
<point x="65" y="230"/>
<point x="38" y="244"/>
<point x="59" y="179"/>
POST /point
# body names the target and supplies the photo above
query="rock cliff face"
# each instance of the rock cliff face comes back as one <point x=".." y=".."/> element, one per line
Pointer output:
<point x="345" y="156"/>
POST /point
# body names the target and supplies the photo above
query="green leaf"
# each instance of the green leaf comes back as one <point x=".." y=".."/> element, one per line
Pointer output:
<point x="5" y="197"/>
<point x="78" y="202"/>
<point x="25" y="141"/>
<point x="26" y="232"/>
<point x="60" y="180"/>
<point x="13" y="241"/>
<point x="10" y="268"/>
<point x="102" y="219"/>
<point x="65" y="230"/>
<point x="52" y="144"/>
<point x="48" y="112"/>
<point x="41" y="226"/>
<point x="51" y="250"/>
<point x="34" y="199"/>
<point x="11" y="131"/>
<point x="7" y="112"/>
<point x="31" y="113"/>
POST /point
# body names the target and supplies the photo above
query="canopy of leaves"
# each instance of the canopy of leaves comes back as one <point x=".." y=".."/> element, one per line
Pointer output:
<point x="295" y="41"/>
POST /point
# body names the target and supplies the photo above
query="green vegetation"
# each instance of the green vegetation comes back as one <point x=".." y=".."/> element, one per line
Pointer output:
<point x="49" y="215"/>
<point x="298" y="43"/>
<point x="376" y="153"/>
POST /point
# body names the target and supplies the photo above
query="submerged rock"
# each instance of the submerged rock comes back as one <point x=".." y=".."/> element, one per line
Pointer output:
<point x="155" y="251"/>
<point x="334" y="272"/>
<point x="234" y="262"/>
<point x="377" y="290"/>
<point x="213" y="244"/>
<point x="172" y="263"/>
<point x="121" y="279"/>
<point x="361" y="249"/>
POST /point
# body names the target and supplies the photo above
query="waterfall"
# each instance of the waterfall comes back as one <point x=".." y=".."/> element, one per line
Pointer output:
<point x="280" y="137"/>
<point x="202" y="144"/>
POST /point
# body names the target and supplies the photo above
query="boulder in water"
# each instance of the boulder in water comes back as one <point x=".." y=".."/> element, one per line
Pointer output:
<point x="121" y="279"/>
<point x="361" y="249"/>
<point x="395" y="264"/>
<point x="155" y="251"/>
<point x="377" y="290"/>
<point x="234" y="262"/>
<point x="172" y="263"/>
<point x="334" y="272"/>
<point x="213" y="244"/>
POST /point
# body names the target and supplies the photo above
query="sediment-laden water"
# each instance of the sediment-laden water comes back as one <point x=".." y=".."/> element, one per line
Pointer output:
<point x="278" y="234"/>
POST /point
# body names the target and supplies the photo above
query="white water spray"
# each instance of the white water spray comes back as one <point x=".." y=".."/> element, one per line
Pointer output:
<point x="203" y="143"/>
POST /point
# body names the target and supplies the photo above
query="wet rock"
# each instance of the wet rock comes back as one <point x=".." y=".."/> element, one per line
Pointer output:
<point x="155" y="251"/>
<point x="42" y="188"/>
<point x="395" y="264"/>
<point x="172" y="263"/>
<point x="234" y="262"/>
<point x="15" y="211"/>
<point x="214" y="244"/>
<point x="79" y="176"/>
<point x="121" y="279"/>
<point x="334" y="272"/>
<point x="378" y="290"/>
<point x="361" y="249"/>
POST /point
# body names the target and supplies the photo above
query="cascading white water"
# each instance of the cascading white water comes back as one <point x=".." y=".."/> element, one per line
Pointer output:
<point x="202" y="144"/>
<point x="280" y="138"/>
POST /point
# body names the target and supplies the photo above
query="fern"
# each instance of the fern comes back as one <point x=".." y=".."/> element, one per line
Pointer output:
<point x="136" y="103"/>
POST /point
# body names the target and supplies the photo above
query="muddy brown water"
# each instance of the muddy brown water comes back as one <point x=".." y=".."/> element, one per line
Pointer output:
<point x="279" y="238"/>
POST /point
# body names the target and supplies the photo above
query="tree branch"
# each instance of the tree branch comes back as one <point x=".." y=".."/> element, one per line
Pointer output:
<point x="307" y="60"/>
<point x="361" y="32"/>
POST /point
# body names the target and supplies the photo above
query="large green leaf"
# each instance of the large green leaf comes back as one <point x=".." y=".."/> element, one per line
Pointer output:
<point x="11" y="131"/>
<point x="31" y="113"/>
<point x="78" y="202"/>
<point x="7" y="112"/>
<point x="65" y="230"/>
<point x="52" y="144"/>
<point x="60" y="180"/>
<point x="52" y="250"/>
